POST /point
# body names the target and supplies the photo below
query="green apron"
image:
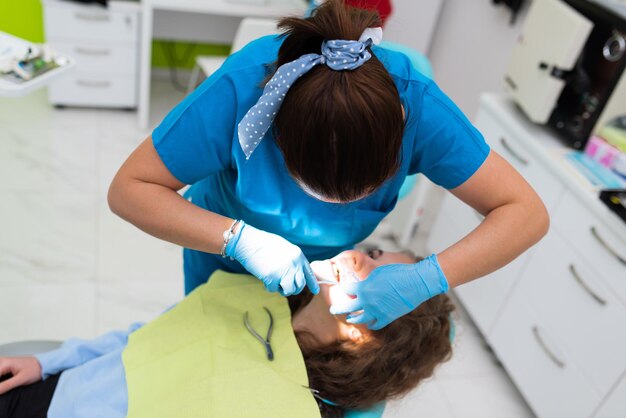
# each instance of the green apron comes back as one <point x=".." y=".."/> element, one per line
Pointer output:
<point x="199" y="360"/>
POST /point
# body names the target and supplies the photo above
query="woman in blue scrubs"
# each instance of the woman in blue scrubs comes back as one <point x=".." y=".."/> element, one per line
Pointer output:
<point x="276" y="185"/>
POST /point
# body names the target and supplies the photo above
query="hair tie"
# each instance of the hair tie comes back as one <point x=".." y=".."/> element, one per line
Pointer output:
<point x="339" y="55"/>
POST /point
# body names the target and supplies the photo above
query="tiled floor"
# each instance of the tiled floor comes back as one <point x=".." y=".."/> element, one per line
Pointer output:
<point x="68" y="267"/>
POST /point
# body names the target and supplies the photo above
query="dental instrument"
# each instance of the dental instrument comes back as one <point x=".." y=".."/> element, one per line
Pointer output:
<point x="316" y="395"/>
<point x="265" y="341"/>
<point x="328" y="282"/>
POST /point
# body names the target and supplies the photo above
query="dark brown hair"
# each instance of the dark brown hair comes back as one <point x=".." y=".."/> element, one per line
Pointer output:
<point x="340" y="132"/>
<point x="388" y="364"/>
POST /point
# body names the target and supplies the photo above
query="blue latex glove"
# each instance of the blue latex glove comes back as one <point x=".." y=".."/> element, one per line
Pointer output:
<point x="392" y="291"/>
<point x="279" y="264"/>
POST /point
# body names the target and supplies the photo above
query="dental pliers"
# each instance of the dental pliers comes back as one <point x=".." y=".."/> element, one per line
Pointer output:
<point x="265" y="341"/>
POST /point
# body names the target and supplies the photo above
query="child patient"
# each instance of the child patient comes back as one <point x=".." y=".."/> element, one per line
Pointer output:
<point x="349" y="366"/>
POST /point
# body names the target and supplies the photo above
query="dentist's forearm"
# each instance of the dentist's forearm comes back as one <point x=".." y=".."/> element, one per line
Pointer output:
<point x="505" y="233"/>
<point x="165" y="214"/>
<point x="144" y="193"/>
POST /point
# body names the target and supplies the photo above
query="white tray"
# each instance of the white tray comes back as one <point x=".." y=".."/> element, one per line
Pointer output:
<point x="13" y="86"/>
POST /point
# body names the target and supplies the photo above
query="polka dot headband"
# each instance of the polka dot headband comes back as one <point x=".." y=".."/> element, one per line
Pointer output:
<point x="339" y="55"/>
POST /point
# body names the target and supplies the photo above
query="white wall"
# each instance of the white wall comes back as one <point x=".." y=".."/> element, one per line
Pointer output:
<point x="412" y="23"/>
<point x="471" y="48"/>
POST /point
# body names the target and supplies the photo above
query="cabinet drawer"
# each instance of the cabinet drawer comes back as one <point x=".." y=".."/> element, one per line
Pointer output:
<point x="93" y="57"/>
<point x="603" y="249"/>
<point x="98" y="90"/>
<point x="615" y="405"/>
<point x="584" y="314"/>
<point x="550" y="382"/>
<point x="506" y="143"/>
<point x="67" y="22"/>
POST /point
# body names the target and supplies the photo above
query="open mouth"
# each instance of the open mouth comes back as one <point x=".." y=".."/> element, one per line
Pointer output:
<point x="343" y="273"/>
<point x="331" y="272"/>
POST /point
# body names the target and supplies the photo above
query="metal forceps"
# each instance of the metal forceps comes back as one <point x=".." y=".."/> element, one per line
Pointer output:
<point x="265" y="341"/>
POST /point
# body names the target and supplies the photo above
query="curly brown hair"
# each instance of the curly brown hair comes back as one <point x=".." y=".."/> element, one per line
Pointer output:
<point x="388" y="364"/>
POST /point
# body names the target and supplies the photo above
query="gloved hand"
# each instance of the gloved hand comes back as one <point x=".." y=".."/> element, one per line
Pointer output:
<point x="392" y="291"/>
<point x="279" y="264"/>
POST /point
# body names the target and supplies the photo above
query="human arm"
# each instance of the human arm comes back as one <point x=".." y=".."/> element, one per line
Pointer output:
<point x="189" y="146"/>
<point x="451" y="152"/>
<point x="144" y="193"/>
<point x="73" y="353"/>
<point x="515" y="219"/>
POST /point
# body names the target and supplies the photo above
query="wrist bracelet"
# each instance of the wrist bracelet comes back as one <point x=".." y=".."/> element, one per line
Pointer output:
<point x="227" y="235"/>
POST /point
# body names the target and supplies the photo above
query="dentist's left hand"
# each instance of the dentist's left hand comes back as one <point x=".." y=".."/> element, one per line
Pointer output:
<point x="391" y="291"/>
<point x="280" y="265"/>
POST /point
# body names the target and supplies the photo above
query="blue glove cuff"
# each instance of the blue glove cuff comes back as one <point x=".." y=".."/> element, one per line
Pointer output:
<point x="442" y="285"/>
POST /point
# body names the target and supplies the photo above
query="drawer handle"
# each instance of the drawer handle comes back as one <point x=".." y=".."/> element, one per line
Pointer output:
<point x="606" y="246"/>
<point x="585" y="286"/>
<point x="545" y="348"/>
<point x="92" y="83"/>
<point x="513" y="153"/>
<point x="93" y="17"/>
<point x="93" y="51"/>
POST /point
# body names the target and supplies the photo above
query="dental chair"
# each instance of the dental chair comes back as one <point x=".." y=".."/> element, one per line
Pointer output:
<point x="27" y="348"/>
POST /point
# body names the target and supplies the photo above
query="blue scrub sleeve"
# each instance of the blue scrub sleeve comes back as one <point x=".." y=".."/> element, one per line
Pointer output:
<point x="195" y="138"/>
<point x="448" y="149"/>
<point x="75" y="352"/>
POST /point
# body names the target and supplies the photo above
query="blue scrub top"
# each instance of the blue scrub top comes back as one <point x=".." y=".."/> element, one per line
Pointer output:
<point x="198" y="143"/>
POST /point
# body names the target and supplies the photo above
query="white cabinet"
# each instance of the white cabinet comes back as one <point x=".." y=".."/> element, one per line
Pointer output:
<point x="613" y="407"/>
<point x="555" y="316"/>
<point x="105" y="44"/>
<point x="537" y="362"/>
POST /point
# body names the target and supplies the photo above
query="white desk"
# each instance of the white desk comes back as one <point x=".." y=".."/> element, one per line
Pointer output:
<point x="226" y="9"/>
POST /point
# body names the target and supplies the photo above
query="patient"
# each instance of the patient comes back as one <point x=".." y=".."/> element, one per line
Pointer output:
<point x="350" y="366"/>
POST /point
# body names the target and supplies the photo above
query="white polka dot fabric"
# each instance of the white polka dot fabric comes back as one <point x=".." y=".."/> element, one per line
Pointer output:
<point x="339" y="55"/>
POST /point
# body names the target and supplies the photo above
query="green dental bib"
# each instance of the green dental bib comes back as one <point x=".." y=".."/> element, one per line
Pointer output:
<point x="199" y="360"/>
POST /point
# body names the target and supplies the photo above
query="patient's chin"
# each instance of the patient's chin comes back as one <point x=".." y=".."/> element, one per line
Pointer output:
<point x="336" y="296"/>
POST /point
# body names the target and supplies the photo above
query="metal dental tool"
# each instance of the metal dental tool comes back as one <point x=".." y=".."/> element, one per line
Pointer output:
<point x="265" y="341"/>
<point x="325" y="281"/>
<point x="316" y="395"/>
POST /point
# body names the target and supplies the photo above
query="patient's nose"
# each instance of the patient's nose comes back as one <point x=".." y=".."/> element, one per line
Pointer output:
<point x="355" y="260"/>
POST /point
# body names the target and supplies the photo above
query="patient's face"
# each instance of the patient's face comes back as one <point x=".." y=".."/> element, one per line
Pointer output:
<point x="353" y="265"/>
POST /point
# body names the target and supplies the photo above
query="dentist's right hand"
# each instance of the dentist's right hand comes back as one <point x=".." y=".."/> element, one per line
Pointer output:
<point x="280" y="265"/>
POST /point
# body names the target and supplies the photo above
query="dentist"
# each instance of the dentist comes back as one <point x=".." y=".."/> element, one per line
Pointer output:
<point x="296" y="148"/>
